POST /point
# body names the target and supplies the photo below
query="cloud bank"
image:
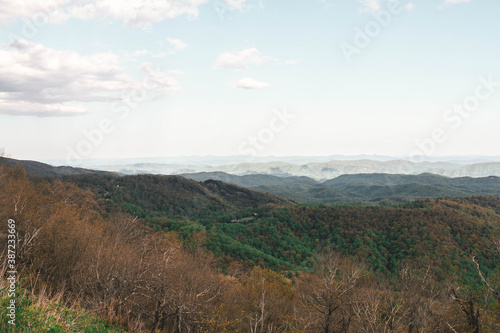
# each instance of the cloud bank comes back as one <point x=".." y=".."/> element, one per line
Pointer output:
<point x="134" y="13"/>
<point x="37" y="80"/>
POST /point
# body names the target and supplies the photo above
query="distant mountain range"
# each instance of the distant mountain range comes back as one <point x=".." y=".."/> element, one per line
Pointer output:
<point x="351" y="183"/>
<point x="320" y="171"/>
<point x="361" y="188"/>
<point x="211" y="160"/>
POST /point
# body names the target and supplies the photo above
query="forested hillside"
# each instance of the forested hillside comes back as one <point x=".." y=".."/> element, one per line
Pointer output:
<point x="37" y="169"/>
<point x="172" y="196"/>
<point x="368" y="189"/>
<point x="256" y="227"/>
<point x="214" y="257"/>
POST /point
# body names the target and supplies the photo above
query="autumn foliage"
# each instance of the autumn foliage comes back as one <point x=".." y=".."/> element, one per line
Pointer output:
<point x="108" y="262"/>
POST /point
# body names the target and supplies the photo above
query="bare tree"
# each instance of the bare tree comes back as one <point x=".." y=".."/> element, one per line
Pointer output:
<point x="328" y="293"/>
<point x="468" y="305"/>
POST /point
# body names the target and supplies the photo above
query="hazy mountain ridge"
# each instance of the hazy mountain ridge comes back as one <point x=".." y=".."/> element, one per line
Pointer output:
<point x="362" y="188"/>
<point x="211" y="160"/>
<point x="319" y="171"/>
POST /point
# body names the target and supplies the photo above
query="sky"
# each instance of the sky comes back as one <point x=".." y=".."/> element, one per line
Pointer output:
<point x="91" y="79"/>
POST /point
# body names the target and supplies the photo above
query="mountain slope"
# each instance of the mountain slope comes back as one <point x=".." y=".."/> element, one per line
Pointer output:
<point x="414" y="186"/>
<point x="346" y="181"/>
<point x="250" y="180"/>
<point x="38" y="169"/>
<point x="173" y="196"/>
<point x="441" y="233"/>
<point x="379" y="188"/>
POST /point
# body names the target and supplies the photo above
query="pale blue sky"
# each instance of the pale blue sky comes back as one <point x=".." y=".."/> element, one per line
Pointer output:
<point x="205" y="77"/>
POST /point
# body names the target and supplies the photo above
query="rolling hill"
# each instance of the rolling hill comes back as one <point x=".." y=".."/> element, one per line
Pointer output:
<point x="38" y="169"/>
<point x="172" y="196"/>
<point x="362" y="188"/>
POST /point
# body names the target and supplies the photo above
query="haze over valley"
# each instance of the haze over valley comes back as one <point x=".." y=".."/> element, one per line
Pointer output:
<point x="319" y="170"/>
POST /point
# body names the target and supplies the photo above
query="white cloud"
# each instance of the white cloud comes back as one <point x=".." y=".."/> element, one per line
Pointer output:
<point x="451" y="2"/>
<point x="249" y="83"/>
<point x="177" y="45"/>
<point x="291" y="62"/>
<point x="36" y="80"/>
<point x="376" y="5"/>
<point x="242" y="5"/>
<point x="130" y="56"/>
<point x="140" y="53"/>
<point x="242" y="59"/>
<point x="24" y="108"/>
<point x="236" y="4"/>
<point x="28" y="8"/>
<point x="159" y="55"/>
<point x="226" y="8"/>
<point x="158" y="81"/>
<point x="135" y="13"/>
<point x="370" y="5"/>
